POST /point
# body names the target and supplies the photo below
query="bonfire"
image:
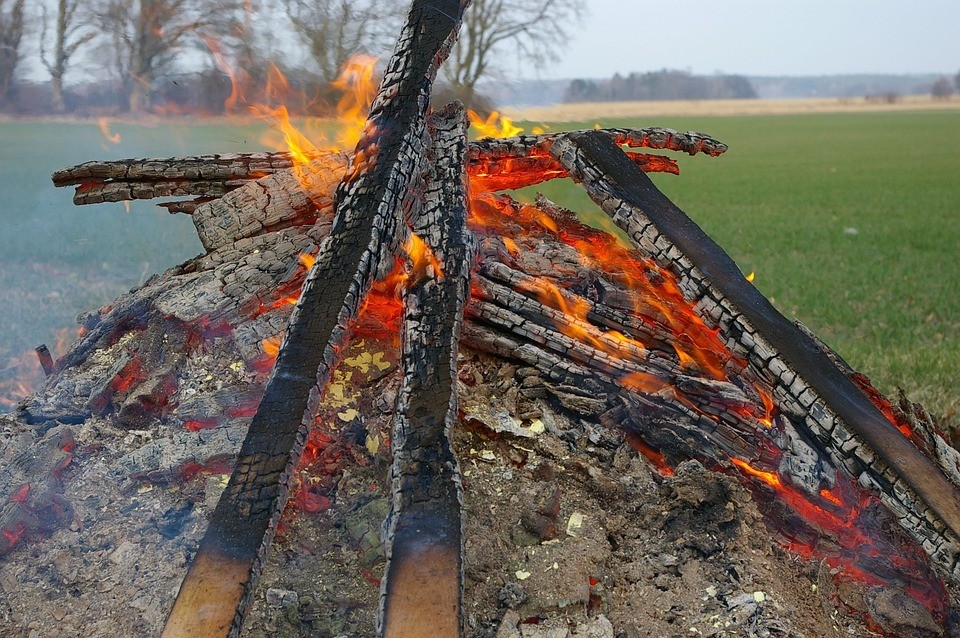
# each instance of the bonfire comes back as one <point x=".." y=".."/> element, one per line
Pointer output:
<point x="450" y="409"/>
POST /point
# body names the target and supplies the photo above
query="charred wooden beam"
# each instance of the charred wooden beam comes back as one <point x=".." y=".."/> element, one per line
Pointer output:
<point x="379" y="190"/>
<point x="246" y="166"/>
<point x="218" y="167"/>
<point x="805" y="381"/>
<point x="423" y="588"/>
<point x="287" y="198"/>
<point x="525" y="158"/>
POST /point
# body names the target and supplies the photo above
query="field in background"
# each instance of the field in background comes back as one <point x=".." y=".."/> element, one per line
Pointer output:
<point x="604" y="111"/>
<point x="850" y="220"/>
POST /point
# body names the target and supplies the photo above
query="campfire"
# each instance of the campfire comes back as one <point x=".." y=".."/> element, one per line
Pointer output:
<point x="452" y="411"/>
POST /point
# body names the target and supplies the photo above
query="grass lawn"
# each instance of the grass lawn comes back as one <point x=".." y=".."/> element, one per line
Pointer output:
<point x="851" y="222"/>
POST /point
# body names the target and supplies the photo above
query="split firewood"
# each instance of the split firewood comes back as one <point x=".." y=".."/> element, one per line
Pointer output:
<point x="381" y="187"/>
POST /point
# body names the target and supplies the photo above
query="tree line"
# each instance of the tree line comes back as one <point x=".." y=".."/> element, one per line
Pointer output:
<point x="666" y="84"/>
<point x="142" y="56"/>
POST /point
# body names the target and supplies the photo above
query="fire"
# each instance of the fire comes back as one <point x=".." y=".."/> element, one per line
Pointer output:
<point x="421" y="259"/>
<point x="21" y="375"/>
<point x="359" y="88"/>
<point x="307" y="260"/>
<point x="271" y="346"/>
<point x="843" y="516"/>
<point x="493" y="125"/>
<point x="104" y="123"/>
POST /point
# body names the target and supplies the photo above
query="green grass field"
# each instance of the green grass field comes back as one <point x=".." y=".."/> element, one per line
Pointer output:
<point x="851" y="222"/>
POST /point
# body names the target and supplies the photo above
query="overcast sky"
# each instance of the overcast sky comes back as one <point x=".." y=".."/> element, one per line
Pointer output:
<point x="763" y="37"/>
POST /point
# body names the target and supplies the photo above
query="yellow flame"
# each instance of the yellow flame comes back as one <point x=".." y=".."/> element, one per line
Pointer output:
<point x="271" y="346"/>
<point x="307" y="259"/>
<point x="359" y="88"/>
<point x="421" y="258"/>
<point x="751" y="276"/>
<point x="494" y="125"/>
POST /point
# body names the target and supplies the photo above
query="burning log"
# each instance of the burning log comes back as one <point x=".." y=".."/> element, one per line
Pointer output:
<point x="423" y="588"/>
<point x="371" y="202"/>
<point x="518" y="160"/>
<point x="805" y="381"/>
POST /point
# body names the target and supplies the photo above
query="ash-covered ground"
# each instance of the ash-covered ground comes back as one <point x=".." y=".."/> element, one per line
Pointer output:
<point x="569" y="530"/>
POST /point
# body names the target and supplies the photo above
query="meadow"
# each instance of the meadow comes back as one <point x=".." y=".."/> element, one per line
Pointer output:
<point x="851" y="222"/>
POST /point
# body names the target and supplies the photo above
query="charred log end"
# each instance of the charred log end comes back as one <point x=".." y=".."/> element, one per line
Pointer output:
<point x="46" y="359"/>
<point x="424" y="576"/>
<point x="209" y="598"/>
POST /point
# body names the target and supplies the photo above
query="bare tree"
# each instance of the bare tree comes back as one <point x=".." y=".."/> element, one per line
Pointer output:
<point x="70" y="34"/>
<point x="537" y="28"/>
<point x="146" y="36"/>
<point x="941" y="89"/>
<point x="336" y="29"/>
<point x="11" y="32"/>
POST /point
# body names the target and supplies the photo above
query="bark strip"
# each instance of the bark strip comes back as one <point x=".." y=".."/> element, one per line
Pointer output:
<point x="423" y="588"/>
<point x="837" y="412"/>
<point x="380" y="187"/>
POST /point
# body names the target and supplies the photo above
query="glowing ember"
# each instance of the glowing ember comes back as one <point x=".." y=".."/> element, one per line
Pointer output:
<point x="841" y="526"/>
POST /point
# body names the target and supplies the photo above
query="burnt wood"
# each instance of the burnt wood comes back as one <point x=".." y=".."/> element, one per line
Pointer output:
<point x="623" y="191"/>
<point x="379" y="190"/>
<point x="423" y="586"/>
<point x="211" y="176"/>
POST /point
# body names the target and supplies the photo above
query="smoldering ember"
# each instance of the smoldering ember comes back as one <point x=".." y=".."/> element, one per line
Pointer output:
<point x="391" y="398"/>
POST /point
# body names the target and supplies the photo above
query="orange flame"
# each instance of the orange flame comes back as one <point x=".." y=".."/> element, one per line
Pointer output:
<point x="493" y="125"/>
<point x="421" y="258"/>
<point x="104" y="123"/>
<point x="21" y="375"/>
<point x="271" y="346"/>
<point x="307" y="259"/>
<point x="359" y="88"/>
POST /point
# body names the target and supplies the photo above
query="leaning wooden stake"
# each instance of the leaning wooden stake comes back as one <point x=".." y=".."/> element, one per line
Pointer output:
<point x="806" y="382"/>
<point x="380" y="186"/>
<point x="422" y="591"/>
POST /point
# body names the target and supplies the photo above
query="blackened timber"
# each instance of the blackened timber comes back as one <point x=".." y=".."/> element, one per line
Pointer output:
<point x="215" y="175"/>
<point x="629" y="196"/>
<point x="219" y="167"/>
<point x="422" y="591"/>
<point x="380" y="187"/>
